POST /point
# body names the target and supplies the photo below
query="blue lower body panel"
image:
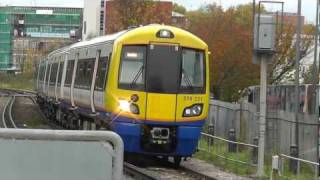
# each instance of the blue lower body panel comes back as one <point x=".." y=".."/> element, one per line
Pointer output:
<point x="186" y="137"/>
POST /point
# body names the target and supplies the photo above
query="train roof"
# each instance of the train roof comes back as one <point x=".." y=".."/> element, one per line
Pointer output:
<point x="98" y="40"/>
<point x="133" y="32"/>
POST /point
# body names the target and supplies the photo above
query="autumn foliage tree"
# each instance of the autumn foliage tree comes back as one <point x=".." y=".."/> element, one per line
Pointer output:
<point x="229" y="34"/>
<point x="127" y="13"/>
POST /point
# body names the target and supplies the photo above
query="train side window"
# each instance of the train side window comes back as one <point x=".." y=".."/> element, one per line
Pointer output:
<point x="84" y="73"/>
<point x="41" y="73"/>
<point x="89" y="73"/>
<point x="77" y="83"/>
<point x="60" y="72"/>
<point x="101" y="74"/>
<point x="69" y="73"/>
<point x="53" y="75"/>
<point x="47" y="73"/>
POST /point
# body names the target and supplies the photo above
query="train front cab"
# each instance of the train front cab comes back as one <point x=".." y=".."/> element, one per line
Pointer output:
<point x="159" y="91"/>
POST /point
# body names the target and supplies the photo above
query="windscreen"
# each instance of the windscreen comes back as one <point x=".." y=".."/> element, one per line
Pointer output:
<point x="163" y="69"/>
<point x="192" y="74"/>
<point x="132" y="67"/>
<point x="167" y="69"/>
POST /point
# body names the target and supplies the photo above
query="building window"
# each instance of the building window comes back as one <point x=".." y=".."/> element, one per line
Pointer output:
<point x="102" y="3"/>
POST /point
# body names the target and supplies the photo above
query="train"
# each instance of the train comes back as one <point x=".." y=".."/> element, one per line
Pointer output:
<point x="149" y="84"/>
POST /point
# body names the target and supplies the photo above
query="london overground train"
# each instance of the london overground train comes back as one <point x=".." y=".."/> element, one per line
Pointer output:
<point x="148" y="84"/>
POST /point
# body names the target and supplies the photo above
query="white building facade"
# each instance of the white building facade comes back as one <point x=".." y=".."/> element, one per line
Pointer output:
<point x="93" y="19"/>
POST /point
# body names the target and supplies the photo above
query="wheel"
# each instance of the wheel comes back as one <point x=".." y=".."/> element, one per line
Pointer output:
<point x="177" y="161"/>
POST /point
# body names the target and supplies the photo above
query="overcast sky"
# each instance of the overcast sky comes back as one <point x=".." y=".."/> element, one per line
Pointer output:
<point x="308" y="6"/>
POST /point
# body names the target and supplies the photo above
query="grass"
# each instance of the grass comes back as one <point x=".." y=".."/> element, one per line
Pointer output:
<point x="227" y="165"/>
<point x="20" y="81"/>
<point x="244" y="154"/>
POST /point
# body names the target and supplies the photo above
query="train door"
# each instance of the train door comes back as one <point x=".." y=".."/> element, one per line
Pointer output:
<point x="162" y="80"/>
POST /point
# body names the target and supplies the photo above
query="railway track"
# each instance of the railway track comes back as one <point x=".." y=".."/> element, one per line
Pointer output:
<point x="152" y="168"/>
<point x="7" y="120"/>
<point x="7" y="100"/>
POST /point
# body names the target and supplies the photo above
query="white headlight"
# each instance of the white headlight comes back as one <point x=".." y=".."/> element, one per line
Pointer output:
<point x="192" y="111"/>
<point x="124" y="105"/>
<point x="164" y="33"/>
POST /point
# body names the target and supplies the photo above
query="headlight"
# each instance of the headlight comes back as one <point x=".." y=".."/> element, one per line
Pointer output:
<point x="194" y="110"/>
<point x="124" y="105"/>
<point x="134" y="108"/>
<point x="163" y="33"/>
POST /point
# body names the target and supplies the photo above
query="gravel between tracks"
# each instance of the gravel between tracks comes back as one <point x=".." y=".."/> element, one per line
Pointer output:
<point x="210" y="170"/>
<point x="26" y="114"/>
<point x="190" y="169"/>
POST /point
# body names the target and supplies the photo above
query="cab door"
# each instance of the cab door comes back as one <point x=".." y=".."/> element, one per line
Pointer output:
<point x="162" y="80"/>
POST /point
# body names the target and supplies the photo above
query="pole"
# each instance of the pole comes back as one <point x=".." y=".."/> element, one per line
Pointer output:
<point x="297" y="78"/>
<point x="317" y="97"/>
<point x="263" y="113"/>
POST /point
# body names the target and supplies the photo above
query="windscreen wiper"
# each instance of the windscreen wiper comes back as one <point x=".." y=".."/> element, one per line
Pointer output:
<point x="136" y="77"/>
<point x="187" y="79"/>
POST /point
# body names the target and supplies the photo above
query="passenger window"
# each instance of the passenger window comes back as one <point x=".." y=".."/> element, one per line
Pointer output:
<point x="69" y="73"/>
<point x="89" y="73"/>
<point x="47" y="73"/>
<point x="60" y="71"/>
<point x="101" y="74"/>
<point x="79" y="74"/>
<point x="84" y="73"/>
<point x="53" y="74"/>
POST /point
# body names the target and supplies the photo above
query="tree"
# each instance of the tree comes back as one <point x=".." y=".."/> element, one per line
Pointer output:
<point x="229" y="37"/>
<point x="128" y="13"/>
<point x="179" y="8"/>
<point x="285" y="58"/>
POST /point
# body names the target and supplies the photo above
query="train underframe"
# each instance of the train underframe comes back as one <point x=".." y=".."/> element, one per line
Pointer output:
<point x="163" y="140"/>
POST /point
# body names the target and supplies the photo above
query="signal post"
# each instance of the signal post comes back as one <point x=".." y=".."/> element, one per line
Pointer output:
<point x="264" y="50"/>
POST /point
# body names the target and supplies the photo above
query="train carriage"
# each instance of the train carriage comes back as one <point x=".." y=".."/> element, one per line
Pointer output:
<point x="149" y="84"/>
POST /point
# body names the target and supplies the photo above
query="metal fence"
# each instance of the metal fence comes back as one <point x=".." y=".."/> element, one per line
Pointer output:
<point x="243" y="118"/>
<point x="314" y="166"/>
<point x="227" y="149"/>
<point x="51" y="154"/>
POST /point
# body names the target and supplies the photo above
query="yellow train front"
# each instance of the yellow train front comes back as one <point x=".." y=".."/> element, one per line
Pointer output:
<point x="149" y="84"/>
<point x="158" y="91"/>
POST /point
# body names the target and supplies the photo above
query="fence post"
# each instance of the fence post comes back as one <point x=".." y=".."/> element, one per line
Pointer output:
<point x="232" y="137"/>
<point x="316" y="172"/>
<point x="275" y="167"/>
<point x="293" y="165"/>
<point x="255" y="150"/>
<point x="211" y="132"/>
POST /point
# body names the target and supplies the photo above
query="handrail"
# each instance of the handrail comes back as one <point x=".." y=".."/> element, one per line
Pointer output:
<point x="233" y="142"/>
<point x="298" y="159"/>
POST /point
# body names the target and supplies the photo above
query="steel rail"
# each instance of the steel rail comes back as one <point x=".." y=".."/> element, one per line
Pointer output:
<point x="4" y="113"/>
<point x="7" y="110"/>
<point x="10" y="112"/>
<point x="138" y="173"/>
